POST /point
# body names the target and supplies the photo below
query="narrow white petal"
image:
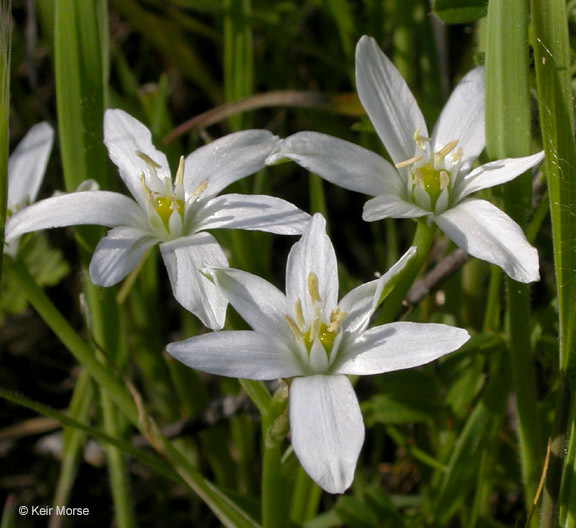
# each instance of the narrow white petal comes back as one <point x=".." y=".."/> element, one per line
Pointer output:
<point x="339" y="162"/>
<point x="487" y="233"/>
<point x="388" y="101"/>
<point x="237" y="354"/>
<point x="313" y="253"/>
<point x="254" y="213"/>
<point x="327" y="429"/>
<point x="362" y="301"/>
<point x="27" y="165"/>
<point x="390" y="206"/>
<point x="398" y="346"/>
<point x="463" y="118"/>
<point x="118" y="253"/>
<point x="258" y="302"/>
<point x="125" y="137"/>
<point x="496" y="173"/>
<point x="227" y="160"/>
<point x="184" y="259"/>
<point x="79" y="208"/>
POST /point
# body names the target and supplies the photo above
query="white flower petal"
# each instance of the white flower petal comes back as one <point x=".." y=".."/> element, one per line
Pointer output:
<point x="362" y="301"/>
<point x="463" y="118"/>
<point x="125" y="137"/>
<point x="327" y="429"/>
<point x="313" y="253"/>
<point x="339" y="162"/>
<point x="258" y="302"/>
<point x="496" y="173"/>
<point x="388" y="101"/>
<point x="27" y="165"/>
<point x="487" y="233"/>
<point x="237" y="354"/>
<point x="227" y="160"/>
<point x="390" y="206"/>
<point x="184" y="258"/>
<point x="118" y="253"/>
<point x="259" y="213"/>
<point x="79" y="208"/>
<point x="398" y="346"/>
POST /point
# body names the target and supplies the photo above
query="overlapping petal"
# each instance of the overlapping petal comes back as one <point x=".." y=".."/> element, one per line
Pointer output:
<point x="313" y="253"/>
<point x="91" y="207"/>
<point x="227" y="160"/>
<point x="27" y="165"/>
<point x="259" y="303"/>
<point x="361" y="303"/>
<point x="339" y="162"/>
<point x="260" y="212"/>
<point x="391" y="206"/>
<point x="327" y="429"/>
<point x="238" y="354"/>
<point x="387" y="100"/>
<point x="496" y="173"/>
<point x="398" y="346"/>
<point x="184" y="259"/>
<point x="118" y="253"/>
<point x="129" y="143"/>
<point x="487" y="233"/>
<point x="462" y="118"/>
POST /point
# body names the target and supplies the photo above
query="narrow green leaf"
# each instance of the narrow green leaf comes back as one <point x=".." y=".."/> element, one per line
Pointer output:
<point x="508" y="136"/>
<point x="80" y="82"/>
<point x="459" y="11"/>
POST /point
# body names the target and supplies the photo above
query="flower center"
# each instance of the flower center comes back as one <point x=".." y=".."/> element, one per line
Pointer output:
<point x="430" y="170"/>
<point x="164" y="196"/>
<point x="317" y="328"/>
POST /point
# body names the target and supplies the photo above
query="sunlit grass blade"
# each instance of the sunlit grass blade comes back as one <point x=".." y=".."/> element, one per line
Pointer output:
<point x="507" y="136"/>
<point x="555" y="100"/>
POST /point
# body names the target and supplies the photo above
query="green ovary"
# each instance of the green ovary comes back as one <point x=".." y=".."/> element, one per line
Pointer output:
<point x="164" y="207"/>
<point x="431" y="182"/>
<point x="324" y="335"/>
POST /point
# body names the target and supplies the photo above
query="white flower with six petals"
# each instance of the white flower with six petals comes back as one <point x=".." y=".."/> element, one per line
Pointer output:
<point x="309" y="336"/>
<point x="432" y="176"/>
<point x="174" y="213"/>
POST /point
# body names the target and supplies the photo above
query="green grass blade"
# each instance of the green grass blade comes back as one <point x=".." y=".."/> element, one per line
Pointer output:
<point x="507" y="136"/>
<point x="555" y="100"/>
<point x="80" y="82"/>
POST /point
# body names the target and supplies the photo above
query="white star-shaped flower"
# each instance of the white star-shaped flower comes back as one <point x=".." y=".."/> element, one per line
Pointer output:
<point x="26" y="168"/>
<point x="432" y="176"/>
<point x="174" y="213"/>
<point x="309" y="336"/>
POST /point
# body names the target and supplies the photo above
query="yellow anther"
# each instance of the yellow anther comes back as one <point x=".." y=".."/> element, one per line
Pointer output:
<point x="148" y="192"/>
<point x="295" y="329"/>
<point x="444" y="151"/>
<point x="313" y="287"/>
<point x="444" y="179"/>
<point x="420" y="140"/>
<point x="180" y="172"/>
<point x="336" y="317"/>
<point x="298" y="312"/>
<point x="149" y="161"/>
<point x="314" y="328"/>
<point x="408" y="161"/>
<point x="200" y="189"/>
<point x="457" y="155"/>
<point x="417" y="176"/>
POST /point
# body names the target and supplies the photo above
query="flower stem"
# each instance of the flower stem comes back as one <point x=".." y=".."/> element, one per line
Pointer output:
<point x="422" y="241"/>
